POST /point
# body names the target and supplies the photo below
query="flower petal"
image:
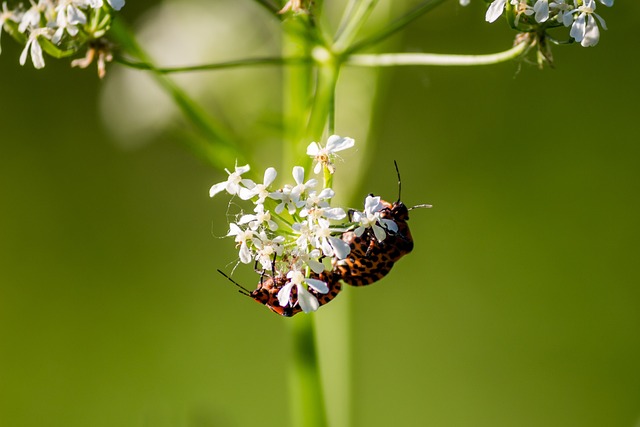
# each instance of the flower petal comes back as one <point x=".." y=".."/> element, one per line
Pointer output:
<point x="313" y="149"/>
<point x="318" y="285"/>
<point x="334" y="213"/>
<point x="116" y="4"/>
<point x="340" y="248"/>
<point x="315" y="265"/>
<point x="242" y="169"/>
<point x="339" y="143"/>
<point x="245" y="253"/>
<point x="495" y="10"/>
<point x="379" y="232"/>
<point x="269" y="176"/>
<point x="234" y="230"/>
<point x="216" y="188"/>
<point x="308" y="302"/>
<point x="298" y="174"/>
<point x="284" y="294"/>
<point x="389" y="224"/>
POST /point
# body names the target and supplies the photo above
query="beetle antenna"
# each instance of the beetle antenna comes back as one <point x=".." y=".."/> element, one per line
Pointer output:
<point x="399" y="181"/>
<point x="242" y="289"/>
<point x="424" y="205"/>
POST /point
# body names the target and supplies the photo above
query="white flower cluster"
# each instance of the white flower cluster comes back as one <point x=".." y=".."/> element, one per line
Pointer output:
<point x="530" y="15"/>
<point x="59" y="27"/>
<point x="293" y="227"/>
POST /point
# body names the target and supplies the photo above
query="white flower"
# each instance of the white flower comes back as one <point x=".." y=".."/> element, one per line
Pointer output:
<point x="329" y="244"/>
<point x="69" y="15"/>
<point x="370" y="218"/>
<point x="307" y="301"/>
<point x="97" y="4"/>
<point x="232" y="184"/>
<point x="260" y="190"/>
<point x="301" y="186"/>
<point x="314" y="214"/>
<point x="267" y="249"/>
<point x="563" y="10"/>
<point x="6" y="15"/>
<point x="256" y="221"/>
<point x="522" y="8"/>
<point x="287" y="199"/>
<point x="31" y="18"/>
<point x="495" y="10"/>
<point x="324" y="156"/>
<point x="585" y="28"/>
<point x="464" y="2"/>
<point x="305" y="233"/>
<point x="315" y="199"/>
<point x="242" y="237"/>
<point x="34" y="48"/>
<point x="541" y="8"/>
<point x="306" y="258"/>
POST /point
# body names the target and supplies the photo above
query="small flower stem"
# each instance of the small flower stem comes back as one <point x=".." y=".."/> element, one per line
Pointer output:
<point x="308" y="402"/>
<point x="270" y="6"/>
<point x="403" y="59"/>
<point x="395" y="26"/>
<point x="246" y="62"/>
<point x="353" y="24"/>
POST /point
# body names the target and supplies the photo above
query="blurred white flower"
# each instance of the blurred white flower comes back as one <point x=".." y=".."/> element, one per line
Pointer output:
<point x="7" y="15"/>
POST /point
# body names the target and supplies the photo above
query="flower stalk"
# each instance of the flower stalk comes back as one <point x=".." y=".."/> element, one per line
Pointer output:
<point x="434" y="59"/>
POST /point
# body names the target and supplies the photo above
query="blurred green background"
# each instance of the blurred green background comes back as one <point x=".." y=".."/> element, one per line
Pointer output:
<point x="520" y="305"/>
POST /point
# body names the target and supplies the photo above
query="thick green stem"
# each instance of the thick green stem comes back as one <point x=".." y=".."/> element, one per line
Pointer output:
<point x="308" y="401"/>
<point x="321" y="111"/>
<point x="306" y="394"/>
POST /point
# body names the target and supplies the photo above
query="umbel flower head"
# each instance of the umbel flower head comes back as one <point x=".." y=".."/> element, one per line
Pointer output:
<point x="292" y="229"/>
<point x="61" y="28"/>
<point x="537" y="16"/>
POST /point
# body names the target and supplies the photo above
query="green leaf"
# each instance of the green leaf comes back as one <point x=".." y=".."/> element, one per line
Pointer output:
<point x="11" y="28"/>
<point x="54" y="50"/>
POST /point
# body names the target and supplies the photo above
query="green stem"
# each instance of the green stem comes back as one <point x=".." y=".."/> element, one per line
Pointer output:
<point x="267" y="4"/>
<point x="395" y="26"/>
<point x="322" y="106"/>
<point x="399" y="59"/>
<point x="353" y="25"/>
<point x="247" y="62"/>
<point x="306" y="394"/>
<point x="223" y="151"/>
<point x="308" y="401"/>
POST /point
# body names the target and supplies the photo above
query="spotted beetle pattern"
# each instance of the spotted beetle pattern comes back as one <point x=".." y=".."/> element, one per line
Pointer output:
<point x="267" y="292"/>
<point x="371" y="260"/>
